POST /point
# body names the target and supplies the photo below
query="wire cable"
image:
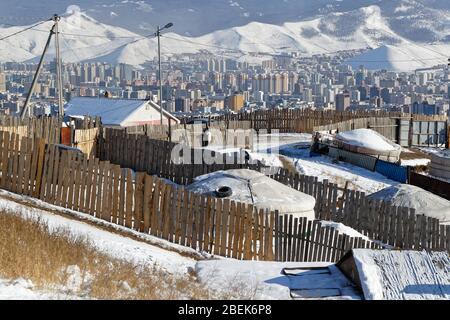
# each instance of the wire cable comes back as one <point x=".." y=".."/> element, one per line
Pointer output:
<point x="23" y="30"/>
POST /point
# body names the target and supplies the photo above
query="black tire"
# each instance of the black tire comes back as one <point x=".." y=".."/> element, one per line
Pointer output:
<point x="223" y="192"/>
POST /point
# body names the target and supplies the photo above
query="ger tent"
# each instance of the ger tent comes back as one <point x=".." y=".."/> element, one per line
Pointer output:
<point x="424" y="202"/>
<point x="255" y="188"/>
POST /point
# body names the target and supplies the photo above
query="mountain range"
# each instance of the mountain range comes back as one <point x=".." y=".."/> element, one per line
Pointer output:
<point x="405" y="34"/>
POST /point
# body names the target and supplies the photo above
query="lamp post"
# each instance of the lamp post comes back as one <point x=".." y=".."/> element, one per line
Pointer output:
<point x="158" y="34"/>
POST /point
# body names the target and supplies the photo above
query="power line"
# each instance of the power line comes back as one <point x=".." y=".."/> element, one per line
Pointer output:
<point x="119" y="47"/>
<point x="23" y="30"/>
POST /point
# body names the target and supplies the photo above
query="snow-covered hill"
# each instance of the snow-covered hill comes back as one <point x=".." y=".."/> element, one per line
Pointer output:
<point x="413" y="19"/>
<point x="86" y="39"/>
<point x="407" y="57"/>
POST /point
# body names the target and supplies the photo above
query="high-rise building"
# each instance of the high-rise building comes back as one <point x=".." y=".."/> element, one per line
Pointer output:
<point x="236" y="102"/>
<point x="126" y="72"/>
<point x="342" y="101"/>
<point x="2" y="82"/>
<point x="307" y="95"/>
<point x="374" y="92"/>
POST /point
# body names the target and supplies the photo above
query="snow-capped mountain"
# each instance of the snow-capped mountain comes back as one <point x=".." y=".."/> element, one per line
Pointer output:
<point x="376" y="26"/>
<point x="412" y="19"/>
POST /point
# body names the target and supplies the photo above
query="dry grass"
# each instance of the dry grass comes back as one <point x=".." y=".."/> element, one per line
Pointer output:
<point x="69" y="264"/>
<point x="414" y="154"/>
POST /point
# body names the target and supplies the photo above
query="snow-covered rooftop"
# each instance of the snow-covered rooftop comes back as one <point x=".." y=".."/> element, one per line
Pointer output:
<point x="367" y="138"/>
<point x="403" y="275"/>
<point x="111" y="111"/>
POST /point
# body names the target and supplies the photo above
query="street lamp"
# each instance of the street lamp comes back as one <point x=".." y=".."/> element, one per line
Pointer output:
<point x="158" y="34"/>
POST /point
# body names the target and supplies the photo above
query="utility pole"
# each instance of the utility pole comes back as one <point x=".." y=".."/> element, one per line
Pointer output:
<point x="26" y="108"/>
<point x="56" y="19"/>
<point x="158" y="34"/>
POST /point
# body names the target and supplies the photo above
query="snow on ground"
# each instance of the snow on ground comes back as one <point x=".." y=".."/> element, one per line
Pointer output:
<point x="265" y="280"/>
<point x="415" y="162"/>
<point x="343" y="229"/>
<point x="115" y="245"/>
<point x="324" y="167"/>
<point x="267" y="159"/>
<point x="272" y="142"/>
<point x="112" y="244"/>
<point x="430" y="150"/>
<point x="295" y="147"/>
<point x="21" y="289"/>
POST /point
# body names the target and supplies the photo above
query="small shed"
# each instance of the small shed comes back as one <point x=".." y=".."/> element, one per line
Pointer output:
<point x="119" y="112"/>
<point x="398" y="275"/>
<point x="255" y="188"/>
<point x="368" y="142"/>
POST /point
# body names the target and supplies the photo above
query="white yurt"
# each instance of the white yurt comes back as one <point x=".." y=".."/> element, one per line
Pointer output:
<point x="369" y="142"/>
<point x="425" y="202"/>
<point x="255" y="188"/>
<point x="440" y="164"/>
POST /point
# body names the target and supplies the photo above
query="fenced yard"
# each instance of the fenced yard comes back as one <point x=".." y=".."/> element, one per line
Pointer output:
<point x="130" y="180"/>
<point x="151" y="204"/>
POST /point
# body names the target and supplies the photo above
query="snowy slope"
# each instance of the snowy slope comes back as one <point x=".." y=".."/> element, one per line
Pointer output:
<point x="407" y="57"/>
<point x="115" y="245"/>
<point x="413" y="19"/>
<point x="372" y="26"/>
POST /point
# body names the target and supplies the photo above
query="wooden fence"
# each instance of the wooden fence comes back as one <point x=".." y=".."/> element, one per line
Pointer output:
<point x="299" y="120"/>
<point x="303" y="240"/>
<point x="384" y="126"/>
<point x="135" y="200"/>
<point x="304" y="120"/>
<point x="395" y="226"/>
<point x="142" y="153"/>
<point x="187" y="133"/>
<point x="47" y="128"/>
<point x="87" y="122"/>
<point x="436" y="186"/>
<point x="332" y="203"/>
<point x="86" y="140"/>
<point x="152" y="205"/>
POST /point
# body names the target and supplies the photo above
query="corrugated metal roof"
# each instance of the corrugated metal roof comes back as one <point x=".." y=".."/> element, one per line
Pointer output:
<point x="402" y="275"/>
